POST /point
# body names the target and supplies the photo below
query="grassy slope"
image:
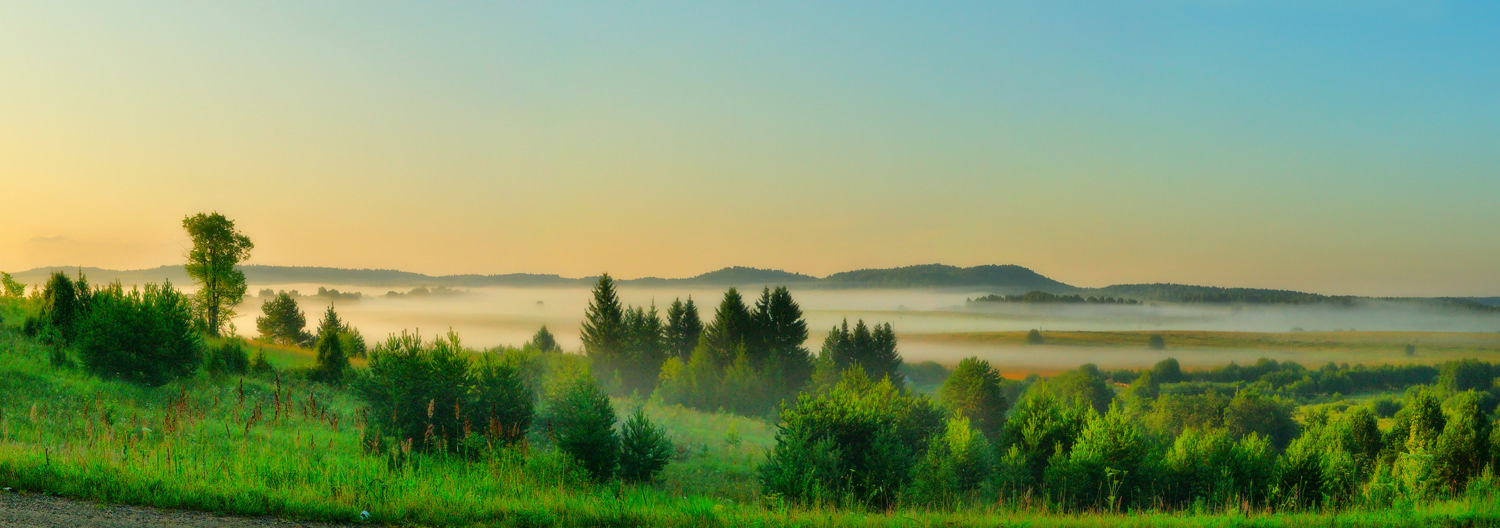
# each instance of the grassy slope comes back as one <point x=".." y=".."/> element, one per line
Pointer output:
<point x="195" y="444"/>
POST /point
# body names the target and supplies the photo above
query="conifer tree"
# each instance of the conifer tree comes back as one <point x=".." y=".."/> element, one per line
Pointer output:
<point x="604" y="333"/>
<point x="731" y="328"/>
<point x="645" y="349"/>
<point x="333" y="361"/>
<point x="683" y="328"/>
<point x="544" y="341"/>
<point x="283" y="321"/>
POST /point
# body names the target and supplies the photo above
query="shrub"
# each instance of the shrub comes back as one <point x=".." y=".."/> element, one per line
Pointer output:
<point x="500" y="401"/>
<point x="1156" y="342"/>
<point x="428" y="395"/>
<point x="1462" y="449"/>
<point x="261" y="365"/>
<point x="1034" y="337"/>
<point x="644" y="449"/>
<point x="1106" y="466"/>
<point x="583" y="422"/>
<point x="1385" y="407"/>
<point x="229" y="357"/>
<point x="855" y="443"/>
<point x="1213" y="468"/>
<point x="956" y="464"/>
<point x="973" y="391"/>
<point x="1465" y="374"/>
<point x="143" y="337"/>
<point x="1040" y="425"/>
<point x="1251" y="412"/>
<point x="64" y="305"/>
<point x="1084" y="384"/>
<point x="333" y="361"/>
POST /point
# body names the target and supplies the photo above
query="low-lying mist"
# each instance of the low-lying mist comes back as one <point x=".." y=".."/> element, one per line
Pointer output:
<point x="487" y="317"/>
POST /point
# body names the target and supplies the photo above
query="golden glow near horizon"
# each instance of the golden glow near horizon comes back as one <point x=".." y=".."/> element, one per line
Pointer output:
<point x="1173" y="142"/>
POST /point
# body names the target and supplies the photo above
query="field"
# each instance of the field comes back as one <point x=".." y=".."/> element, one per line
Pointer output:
<point x="271" y="446"/>
<point x="1062" y="350"/>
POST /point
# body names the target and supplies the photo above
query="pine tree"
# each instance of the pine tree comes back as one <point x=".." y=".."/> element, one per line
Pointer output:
<point x="333" y="361"/>
<point x="732" y="327"/>
<point x="604" y="332"/>
<point x="788" y="366"/>
<point x="683" y="328"/>
<point x="544" y="341"/>
<point x="645" y="349"/>
<point x="883" y="359"/>
<point x="644" y="449"/>
<point x="283" y="321"/>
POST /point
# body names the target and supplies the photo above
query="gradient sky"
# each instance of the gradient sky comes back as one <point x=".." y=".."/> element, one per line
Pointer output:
<point x="1336" y="146"/>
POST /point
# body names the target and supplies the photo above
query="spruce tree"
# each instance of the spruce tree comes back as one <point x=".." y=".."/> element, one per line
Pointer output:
<point x="883" y="359"/>
<point x="731" y="328"/>
<point x="683" y="328"/>
<point x="604" y="332"/>
<point x="645" y="349"/>
<point x="788" y="365"/>
<point x="333" y="361"/>
<point x="544" y="341"/>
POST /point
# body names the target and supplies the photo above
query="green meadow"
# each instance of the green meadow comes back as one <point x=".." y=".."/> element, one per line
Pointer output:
<point x="276" y="445"/>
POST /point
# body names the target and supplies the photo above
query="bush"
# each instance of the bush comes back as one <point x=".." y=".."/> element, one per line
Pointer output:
<point x="1213" y="468"/>
<point x="956" y="464"/>
<point x="1040" y="425"/>
<point x="973" y="391"/>
<point x="1156" y="342"/>
<point x="1466" y="374"/>
<point x="64" y="305"/>
<point x="1106" y="467"/>
<point x="644" y="449"/>
<point x="856" y="443"/>
<point x="583" y="423"/>
<point x="229" y="357"/>
<point x="143" y="337"/>
<point x="1251" y="412"/>
<point x="428" y="396"/>
<point x="500" y="401"/>
<point x="1385" y="406"/>
<point x="261" y="365"/>
<point x="1034" y="337"/>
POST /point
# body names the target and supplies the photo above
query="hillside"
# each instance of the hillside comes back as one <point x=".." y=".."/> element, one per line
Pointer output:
<point x="1009" y="277"/>
<point x="1003" y="278"/>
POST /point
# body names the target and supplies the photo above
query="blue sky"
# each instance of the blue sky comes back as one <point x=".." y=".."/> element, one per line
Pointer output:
<point x="1343" y="147"/>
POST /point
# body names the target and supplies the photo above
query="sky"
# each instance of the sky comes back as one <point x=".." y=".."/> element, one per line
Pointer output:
<point x="1347" y="147"/>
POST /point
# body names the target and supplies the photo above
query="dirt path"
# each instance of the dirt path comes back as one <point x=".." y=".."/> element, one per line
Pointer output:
<point x="18" y="510"/>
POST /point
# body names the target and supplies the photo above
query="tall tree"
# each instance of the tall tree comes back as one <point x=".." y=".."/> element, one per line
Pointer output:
<point x="12" y="288"/>
<point x="604" y="333"/>
<point x="645" y="350"/>
<point x="217" y="249"/>
<point x="782" y="332"/>
<point x="683" y="328"/>
<point x="883" y="359"/>
<point x="732" y="327"/>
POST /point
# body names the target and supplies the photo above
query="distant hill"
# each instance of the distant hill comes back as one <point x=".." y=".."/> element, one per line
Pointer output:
<point x="1009" y="277"/>
<point x="998" y="278"/>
